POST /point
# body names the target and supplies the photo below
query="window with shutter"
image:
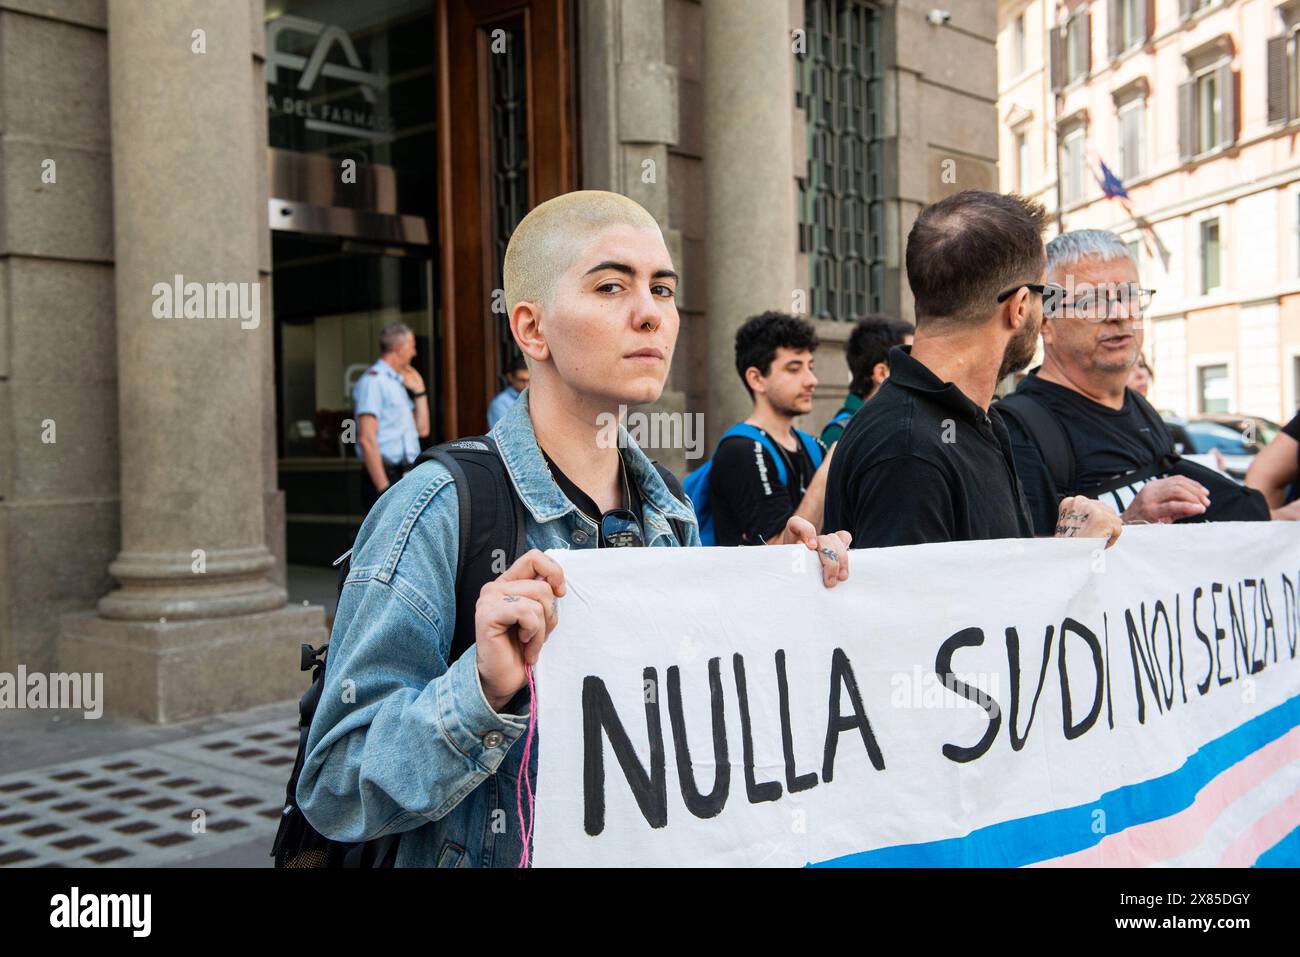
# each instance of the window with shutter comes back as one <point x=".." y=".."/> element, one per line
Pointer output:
<point x="1279" y="86"/>
<point x="1072" y="166"/>
<point x="1187" y="120"/>
<point x="1077" y="43"/>
<point x="1209" y="112"/>
<point x="1210" y="279"/>
<point x="1132" y="120"/>
<point x="1072" y="49"/>
<point x="1086" y="31"/>
<point x="1225" y="82"/>
<point x="1056" y="39"/>
<point x="1127" y="25"/>
<point x="1292" y="75"/>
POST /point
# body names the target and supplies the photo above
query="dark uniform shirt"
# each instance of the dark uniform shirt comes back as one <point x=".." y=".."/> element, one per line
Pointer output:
<point x="922" y="463"/>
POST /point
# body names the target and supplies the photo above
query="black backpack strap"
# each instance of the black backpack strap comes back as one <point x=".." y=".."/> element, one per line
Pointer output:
<point x="493" y="528"/>
<point x="1048" y="434"/>
<point x="670" y="479"/>
<point x="1159" y="430"/>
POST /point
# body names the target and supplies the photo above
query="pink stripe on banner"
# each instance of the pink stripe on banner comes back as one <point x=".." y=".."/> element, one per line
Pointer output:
<point x="1169" y="837"/>
<point x="1265" y="832"/>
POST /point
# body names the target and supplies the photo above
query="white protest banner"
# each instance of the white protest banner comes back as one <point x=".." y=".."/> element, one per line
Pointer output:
<point x="978" y="703"/>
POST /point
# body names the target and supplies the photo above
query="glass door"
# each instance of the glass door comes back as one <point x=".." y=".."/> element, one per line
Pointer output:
<point x="332" y="298"/>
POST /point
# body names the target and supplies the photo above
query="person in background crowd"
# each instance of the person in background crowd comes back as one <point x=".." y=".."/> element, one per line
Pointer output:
<point x="750" y="503"/>
<point x="1275" y="472"/>
<point x="392" y="409"/>
<point x="928" y="459"/>
<point x="1077" y="430"/>
<point x="1142" y="377"/>
<point x="516" y="382"/>
<point x="867" y="352"/>
<point x="408" y="739"/>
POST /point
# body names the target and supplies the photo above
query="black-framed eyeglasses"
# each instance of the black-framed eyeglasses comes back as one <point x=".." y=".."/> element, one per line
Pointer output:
<point x="619" y="528"/>
<point x="1105" y="301"/>
<point x="1050" y="292"/>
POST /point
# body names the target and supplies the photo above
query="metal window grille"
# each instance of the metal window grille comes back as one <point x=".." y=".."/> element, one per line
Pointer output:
<point x="841" y="208"/>
<point x="507" y="91"/>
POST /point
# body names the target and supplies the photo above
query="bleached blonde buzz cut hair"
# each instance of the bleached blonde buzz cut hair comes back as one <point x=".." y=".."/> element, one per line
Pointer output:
<point x="548" y="240"/>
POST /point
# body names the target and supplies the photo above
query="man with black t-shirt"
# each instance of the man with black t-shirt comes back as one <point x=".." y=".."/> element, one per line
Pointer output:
<point x="927" y="459"/>
<point x="1076" y="429"/>
<point x="750" y="499"/>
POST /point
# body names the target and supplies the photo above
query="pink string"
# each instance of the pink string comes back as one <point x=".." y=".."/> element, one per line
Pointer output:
<point x="523" y="780"/>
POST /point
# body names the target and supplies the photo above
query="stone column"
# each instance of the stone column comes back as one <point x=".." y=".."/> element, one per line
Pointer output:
<point x="748" y="162"/>
<point x="629" y="95"/>
<point x="196" y="625"/>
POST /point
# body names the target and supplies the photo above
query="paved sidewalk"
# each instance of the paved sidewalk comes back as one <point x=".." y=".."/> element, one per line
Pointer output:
<point x="117" y="792"/>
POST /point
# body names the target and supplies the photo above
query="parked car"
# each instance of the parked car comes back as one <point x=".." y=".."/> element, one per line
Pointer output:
<point x="1233" y="440"/>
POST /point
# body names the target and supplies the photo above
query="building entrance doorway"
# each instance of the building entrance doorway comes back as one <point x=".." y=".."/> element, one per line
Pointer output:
<point x="407" y="138"/>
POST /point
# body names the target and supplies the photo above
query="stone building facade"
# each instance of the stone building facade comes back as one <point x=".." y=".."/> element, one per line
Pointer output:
<point x="340" y="165"/>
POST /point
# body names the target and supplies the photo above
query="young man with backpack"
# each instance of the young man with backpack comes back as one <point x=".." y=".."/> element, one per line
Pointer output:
<point x="413" y="737"/>
<point x="867" y="353"/>
<point x="765" y="470"/>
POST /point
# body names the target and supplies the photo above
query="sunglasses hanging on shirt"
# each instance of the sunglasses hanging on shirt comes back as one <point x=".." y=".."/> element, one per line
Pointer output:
<point x="618" y="527"/>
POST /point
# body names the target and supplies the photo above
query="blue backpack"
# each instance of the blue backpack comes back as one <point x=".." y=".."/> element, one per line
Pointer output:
<point x="697" y="483"/>
<point x="843" y="415"/>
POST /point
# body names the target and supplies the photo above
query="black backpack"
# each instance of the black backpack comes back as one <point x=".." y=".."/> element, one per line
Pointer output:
<point x="492" y="537"/>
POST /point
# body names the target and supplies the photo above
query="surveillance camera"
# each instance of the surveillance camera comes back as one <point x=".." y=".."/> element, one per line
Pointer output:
<point x="937" y="17"/>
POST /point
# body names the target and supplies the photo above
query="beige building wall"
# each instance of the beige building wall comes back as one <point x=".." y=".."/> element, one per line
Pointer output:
<point x="1249" y="182"/>
<point x="1026" y="103"/>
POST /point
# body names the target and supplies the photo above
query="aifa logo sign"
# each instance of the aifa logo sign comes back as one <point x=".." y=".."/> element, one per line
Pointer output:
<point x="286" y="32"/>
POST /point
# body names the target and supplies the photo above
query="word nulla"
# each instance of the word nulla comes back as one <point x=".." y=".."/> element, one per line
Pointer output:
<point x="650" y="788"/>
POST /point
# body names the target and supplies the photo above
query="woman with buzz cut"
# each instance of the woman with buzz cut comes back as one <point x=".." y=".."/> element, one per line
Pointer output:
<point x="428" y="747"/>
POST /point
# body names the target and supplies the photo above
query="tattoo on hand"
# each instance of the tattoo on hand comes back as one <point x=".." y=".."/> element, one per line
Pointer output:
<point x="510" y="599"/>
<point x="1071" y="523"/>
<point x="829" y="553"/>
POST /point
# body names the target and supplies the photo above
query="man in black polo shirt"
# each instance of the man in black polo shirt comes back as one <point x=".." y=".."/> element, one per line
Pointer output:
<point x="926" y="460"/>
<point x="1076" y="430"/>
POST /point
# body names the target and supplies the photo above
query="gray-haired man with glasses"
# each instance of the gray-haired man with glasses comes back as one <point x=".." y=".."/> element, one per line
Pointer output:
<point x="1076" y="429"/>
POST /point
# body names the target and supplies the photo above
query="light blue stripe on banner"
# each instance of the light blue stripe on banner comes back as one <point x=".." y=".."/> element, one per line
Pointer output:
<point x="1285" y="853"/>
<point x="1041" y="837"/>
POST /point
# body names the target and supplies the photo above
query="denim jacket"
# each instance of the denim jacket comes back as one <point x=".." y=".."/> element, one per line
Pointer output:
<point x="401" y="742"/>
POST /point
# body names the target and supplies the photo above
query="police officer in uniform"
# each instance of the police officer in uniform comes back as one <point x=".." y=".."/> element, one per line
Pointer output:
<point x="392" y="409"/>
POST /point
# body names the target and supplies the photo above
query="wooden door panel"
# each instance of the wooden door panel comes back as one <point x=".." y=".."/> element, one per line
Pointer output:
<point x="474" y="222"/>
